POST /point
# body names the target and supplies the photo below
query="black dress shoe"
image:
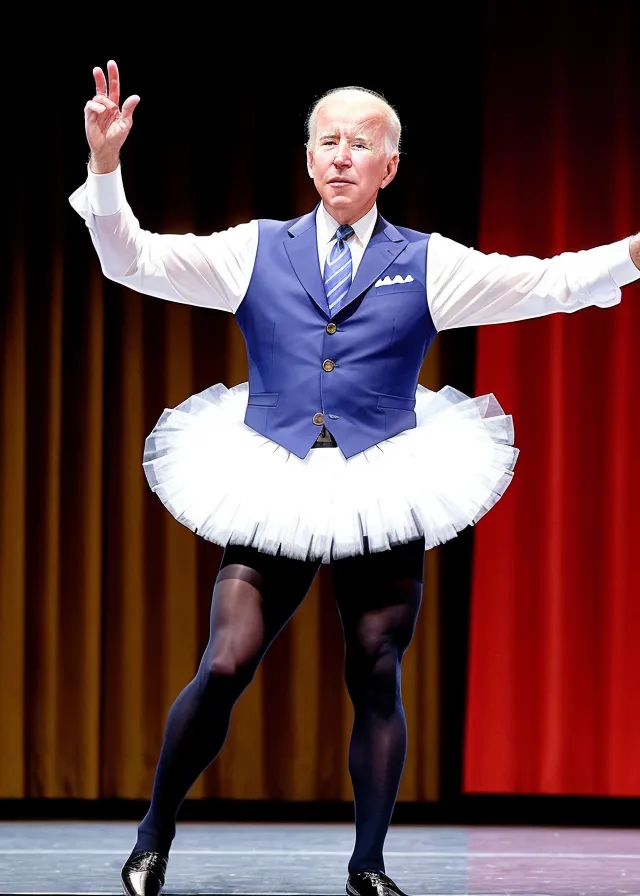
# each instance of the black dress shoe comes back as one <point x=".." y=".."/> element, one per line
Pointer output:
<point x="143" y="873"/>
<point x="372" y="883"/>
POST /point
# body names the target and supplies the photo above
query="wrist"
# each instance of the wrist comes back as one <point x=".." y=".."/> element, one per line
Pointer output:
<point x="634" y="249"/>
<point x="103" y="164"/>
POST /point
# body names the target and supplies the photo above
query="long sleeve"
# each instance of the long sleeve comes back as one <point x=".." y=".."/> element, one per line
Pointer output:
<point x="466" y="287"/>
<point x="213" y="271"/>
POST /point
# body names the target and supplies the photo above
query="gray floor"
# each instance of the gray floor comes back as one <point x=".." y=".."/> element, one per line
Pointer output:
<point x="85" y="857"/>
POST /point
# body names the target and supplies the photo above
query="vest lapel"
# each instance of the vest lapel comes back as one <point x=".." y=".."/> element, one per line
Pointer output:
<point x="303" y="255"/>
<point x="385" y="245"/>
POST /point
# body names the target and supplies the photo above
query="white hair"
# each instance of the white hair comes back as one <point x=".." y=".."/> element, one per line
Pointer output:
<point x="392" y="131"/>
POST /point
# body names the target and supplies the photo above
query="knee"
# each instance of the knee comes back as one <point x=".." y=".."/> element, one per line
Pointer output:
<point x="226" y="671"/>
<point x="373" y="680"/>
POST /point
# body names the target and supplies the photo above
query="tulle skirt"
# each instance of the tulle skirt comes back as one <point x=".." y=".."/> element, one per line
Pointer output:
<point x="232" y="485"/>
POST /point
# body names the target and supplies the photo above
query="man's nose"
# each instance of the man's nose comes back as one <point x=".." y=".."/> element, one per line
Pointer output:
<point x="342" y="157"/>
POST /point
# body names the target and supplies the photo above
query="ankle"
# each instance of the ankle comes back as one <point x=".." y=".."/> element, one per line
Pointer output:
<point x="154" y="841"/>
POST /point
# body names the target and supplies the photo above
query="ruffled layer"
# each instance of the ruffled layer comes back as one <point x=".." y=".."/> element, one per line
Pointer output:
<point x="231" y="485"/>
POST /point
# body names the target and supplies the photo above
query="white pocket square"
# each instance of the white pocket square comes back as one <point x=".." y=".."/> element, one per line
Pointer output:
<point x="387" y="281"/>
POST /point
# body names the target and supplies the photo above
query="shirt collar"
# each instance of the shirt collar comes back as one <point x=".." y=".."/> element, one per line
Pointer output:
<point x="327" y="225"/>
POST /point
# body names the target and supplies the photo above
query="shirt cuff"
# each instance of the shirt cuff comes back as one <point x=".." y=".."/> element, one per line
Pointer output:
<point x="106" y="192"/>
<point x="621" y="266"/>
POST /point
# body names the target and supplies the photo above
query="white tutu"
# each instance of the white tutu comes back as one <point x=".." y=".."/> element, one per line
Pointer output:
<point x="232" y="485"/>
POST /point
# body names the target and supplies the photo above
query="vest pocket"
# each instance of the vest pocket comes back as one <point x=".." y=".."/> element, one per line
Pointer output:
<point x="396" y="401"/>
<point x="263" y="399"/>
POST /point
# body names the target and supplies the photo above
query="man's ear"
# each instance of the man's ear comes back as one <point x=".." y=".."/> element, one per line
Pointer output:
<point x="392" y="168"/>
<point x="310" y="163"/>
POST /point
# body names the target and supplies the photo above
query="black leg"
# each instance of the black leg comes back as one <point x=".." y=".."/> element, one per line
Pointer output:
<point x="378" y="596"/>
<point x="254" y="596"/>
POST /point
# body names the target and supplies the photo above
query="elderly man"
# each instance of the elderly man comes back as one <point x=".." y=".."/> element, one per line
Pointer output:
<point x="338" y="309"/>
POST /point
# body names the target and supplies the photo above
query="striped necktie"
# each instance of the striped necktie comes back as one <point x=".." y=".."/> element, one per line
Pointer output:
<point x="338" y="269"/>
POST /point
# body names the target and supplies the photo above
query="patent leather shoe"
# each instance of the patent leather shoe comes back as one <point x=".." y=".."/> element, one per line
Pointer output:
<point x="143" y="873"/>
<point x="372" y="883"/>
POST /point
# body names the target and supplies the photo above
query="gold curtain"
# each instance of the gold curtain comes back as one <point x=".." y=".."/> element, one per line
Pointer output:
<point x="104" y="597"/>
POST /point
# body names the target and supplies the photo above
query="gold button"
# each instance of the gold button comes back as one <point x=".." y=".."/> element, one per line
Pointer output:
<point x="318" y="419"/>
<point x="331" y="328"/>
<point x="328" y="366"/>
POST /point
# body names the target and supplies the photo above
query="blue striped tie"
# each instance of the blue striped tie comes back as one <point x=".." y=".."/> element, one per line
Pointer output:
<point x="338" y="269"/>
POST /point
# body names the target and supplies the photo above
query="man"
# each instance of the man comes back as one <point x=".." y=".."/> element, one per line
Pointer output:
<point x="338" y="309"/>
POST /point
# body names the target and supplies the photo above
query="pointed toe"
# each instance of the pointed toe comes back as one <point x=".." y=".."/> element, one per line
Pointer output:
<point x="143" y="874"/>
<point x="372" y="883"/>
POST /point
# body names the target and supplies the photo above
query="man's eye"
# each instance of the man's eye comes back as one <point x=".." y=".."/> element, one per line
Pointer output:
<point x="360" y="145"/>
<point x="328" y="143"/>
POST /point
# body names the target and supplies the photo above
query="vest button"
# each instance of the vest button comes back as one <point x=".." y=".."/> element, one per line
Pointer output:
<point x="328" y="366"/>
<point x="331" y="328"/>
<point x="318" y="419"/>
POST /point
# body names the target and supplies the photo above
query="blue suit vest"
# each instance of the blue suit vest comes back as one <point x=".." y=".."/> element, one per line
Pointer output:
<point x="374" y="346"/>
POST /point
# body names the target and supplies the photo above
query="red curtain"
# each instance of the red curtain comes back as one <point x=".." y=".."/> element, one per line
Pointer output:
<point x="554" y="664"/>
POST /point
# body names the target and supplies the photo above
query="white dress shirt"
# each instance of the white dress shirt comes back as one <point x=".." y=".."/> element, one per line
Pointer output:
<point x="465" y="287"/>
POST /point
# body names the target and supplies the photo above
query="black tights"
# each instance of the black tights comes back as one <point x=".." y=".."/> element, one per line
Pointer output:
<point x="378" y="597"/>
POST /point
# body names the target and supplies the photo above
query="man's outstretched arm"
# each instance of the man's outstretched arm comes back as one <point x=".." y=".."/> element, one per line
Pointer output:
<point x="213" y="271"/>
<point x="466" y="287"/>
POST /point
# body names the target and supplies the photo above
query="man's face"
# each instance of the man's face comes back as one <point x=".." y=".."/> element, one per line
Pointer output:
<point x="349" y="160"/>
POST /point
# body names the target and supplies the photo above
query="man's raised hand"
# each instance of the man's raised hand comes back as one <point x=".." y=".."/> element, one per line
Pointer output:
<point x="106" y="124"/>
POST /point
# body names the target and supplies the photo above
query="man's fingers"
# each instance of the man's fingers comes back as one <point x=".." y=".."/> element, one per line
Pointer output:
<point x="114" y="82"/>
<point x="92" y="106"/>
<point x="129" y="105"/>
<point x="110" y="95"/>
<point x="106" y="102"/>
<point x="101" y="81"/>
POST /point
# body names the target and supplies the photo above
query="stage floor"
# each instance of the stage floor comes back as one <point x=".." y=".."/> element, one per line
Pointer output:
<point x="85" y="857"/>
